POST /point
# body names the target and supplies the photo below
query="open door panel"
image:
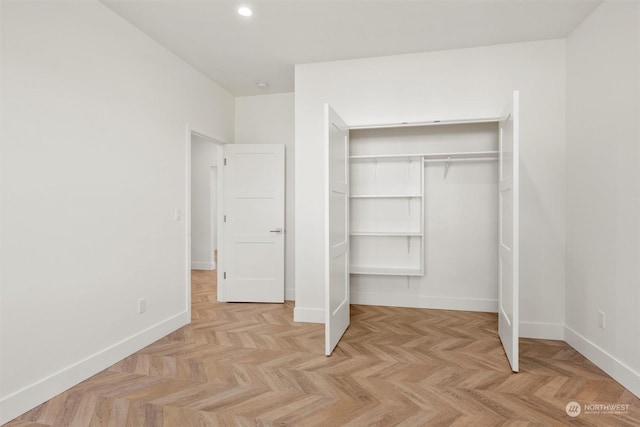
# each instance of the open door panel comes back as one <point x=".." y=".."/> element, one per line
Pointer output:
<point x="336" y="229"/>
<point x="508" y="290"/>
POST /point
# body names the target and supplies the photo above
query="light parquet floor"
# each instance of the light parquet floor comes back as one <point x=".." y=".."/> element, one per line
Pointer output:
<point x="250" y="365"/>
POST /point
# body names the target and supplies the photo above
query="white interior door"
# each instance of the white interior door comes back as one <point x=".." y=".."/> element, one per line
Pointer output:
<point x="336" y="229"/>
<point x="253" y="182"/>
<point x="508" y="232"/>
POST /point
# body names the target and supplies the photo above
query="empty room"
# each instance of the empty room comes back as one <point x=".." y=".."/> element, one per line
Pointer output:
<point x="319" y="213"/>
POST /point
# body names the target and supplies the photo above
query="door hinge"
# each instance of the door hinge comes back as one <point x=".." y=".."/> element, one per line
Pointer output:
<point x="224" y="275"/>
<point x="225" y="218"/>
<point x="225" y="162"/>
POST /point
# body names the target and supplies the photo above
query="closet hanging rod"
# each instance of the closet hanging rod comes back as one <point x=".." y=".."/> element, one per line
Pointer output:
<point x="417" y="156"/>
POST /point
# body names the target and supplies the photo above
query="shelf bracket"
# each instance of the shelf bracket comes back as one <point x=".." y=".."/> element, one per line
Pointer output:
<point x="375" y="170"/>
<point x="446" y="166"/>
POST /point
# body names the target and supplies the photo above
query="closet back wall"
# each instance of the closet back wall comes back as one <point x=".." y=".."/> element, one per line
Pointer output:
<point x="455" y="84"/>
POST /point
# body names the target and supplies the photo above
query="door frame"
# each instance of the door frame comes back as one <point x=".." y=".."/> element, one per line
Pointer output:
<point x="190" y="133"/>
<point x="213" y="210"/>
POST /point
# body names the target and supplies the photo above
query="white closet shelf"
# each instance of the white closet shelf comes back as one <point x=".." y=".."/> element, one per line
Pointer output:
<point x="387" y="158"/>
<point x="385" y="196"/>
<point x="425" y="123"/>
<point x="387" y="233"/>
<point x="393" y="218"/>
<point x="385" y="271"/>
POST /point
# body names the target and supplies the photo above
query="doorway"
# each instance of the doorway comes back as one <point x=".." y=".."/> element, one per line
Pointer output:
<point x="203" y="204"/>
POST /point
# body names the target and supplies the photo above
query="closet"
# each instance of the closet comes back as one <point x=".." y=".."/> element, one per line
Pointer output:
<point x="423" y="215"/>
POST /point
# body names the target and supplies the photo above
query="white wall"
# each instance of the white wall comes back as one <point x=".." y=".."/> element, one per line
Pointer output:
<point x="603" y="190"/>
<point x="204" y="191"/>
<point x="456" y="84"/>
<point x="268" y="119"/>
<point x="94" y="165"/>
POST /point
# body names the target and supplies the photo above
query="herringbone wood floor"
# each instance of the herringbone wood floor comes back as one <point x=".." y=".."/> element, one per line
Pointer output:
<point x="250" y="365"/>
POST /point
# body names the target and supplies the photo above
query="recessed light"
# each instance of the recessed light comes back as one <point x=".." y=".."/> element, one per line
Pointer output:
<point x="245" y="11"/>
<point x="262" y="85"/>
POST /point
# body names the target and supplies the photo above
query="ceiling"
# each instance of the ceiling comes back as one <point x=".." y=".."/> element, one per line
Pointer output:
<point x="237" y="52"/>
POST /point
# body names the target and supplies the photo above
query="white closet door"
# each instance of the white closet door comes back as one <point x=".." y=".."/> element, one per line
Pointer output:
<point x="336" y="229"/>
<point x="253" y="183"/>
<point x="508" y="234"/>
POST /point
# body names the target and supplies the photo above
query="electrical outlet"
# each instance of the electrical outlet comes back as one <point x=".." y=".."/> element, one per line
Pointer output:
<point x="177" y="214"/>
<point x="142" y="305"/>
<point x="601" y="319"/>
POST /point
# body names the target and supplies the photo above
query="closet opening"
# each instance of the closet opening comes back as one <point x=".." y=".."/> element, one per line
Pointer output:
<point x="423" y="217"/>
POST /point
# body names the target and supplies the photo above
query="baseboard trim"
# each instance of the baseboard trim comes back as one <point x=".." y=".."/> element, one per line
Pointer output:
<point x="202" y="265"/>
<point x="464" y="304"/>
<point x="618" y="370"/>
<point x="541" y="330"/>
<point x="29" y="397"/>
<point x="414" y="301"/>
<point x="308" y="315"/>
